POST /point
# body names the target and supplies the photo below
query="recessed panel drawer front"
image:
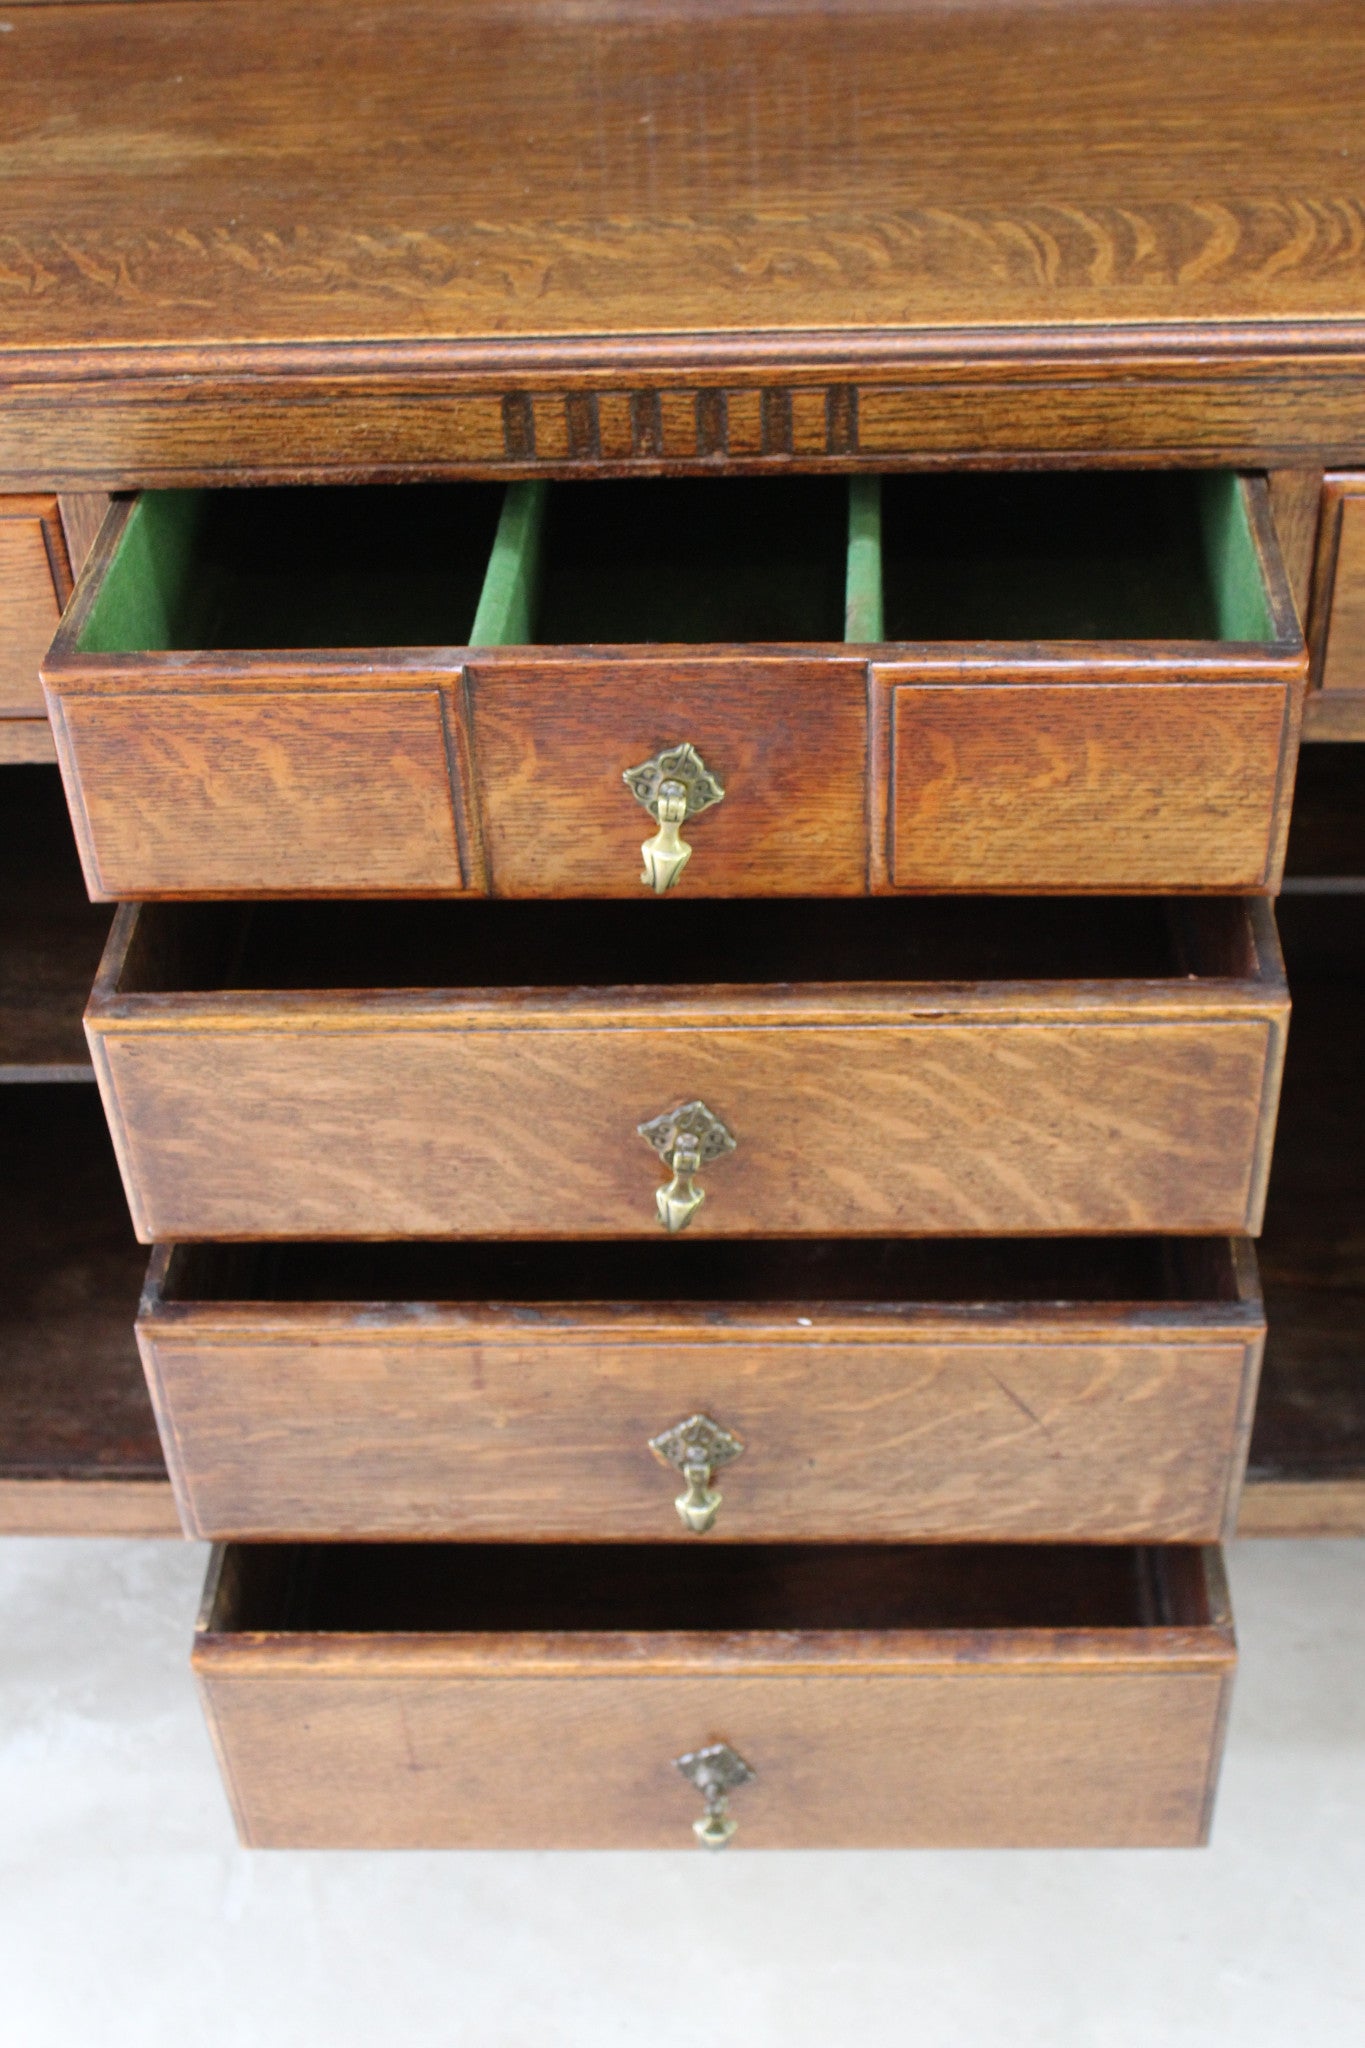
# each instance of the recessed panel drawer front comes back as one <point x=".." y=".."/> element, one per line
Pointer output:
<point x="619" y="1697"/>
<point x="786" y="739"/>
<point x="795" y="686"/>
<point x="277" y="790"/>
<point x="851" y="1107"/>
<point x="1012" y="775"/>
<point x="387" y="1412"/>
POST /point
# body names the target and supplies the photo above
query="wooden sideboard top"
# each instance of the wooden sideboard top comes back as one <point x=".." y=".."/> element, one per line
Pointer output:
<point x="1149" y="215"/>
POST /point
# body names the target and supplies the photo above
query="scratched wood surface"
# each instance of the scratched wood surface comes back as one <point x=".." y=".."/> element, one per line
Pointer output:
<point x="1041" y="1699"/>
<point x="529" y="1418"/>
<point x="671" y="235"/>
<point x="251" y="1097"/>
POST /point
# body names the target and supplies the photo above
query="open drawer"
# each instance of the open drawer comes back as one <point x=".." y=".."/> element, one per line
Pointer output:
<point x="1017" y="1390"/>
<point x="819" y="686"/>
<point x="899" y="1067"/>
<point x="613" y="1697"/>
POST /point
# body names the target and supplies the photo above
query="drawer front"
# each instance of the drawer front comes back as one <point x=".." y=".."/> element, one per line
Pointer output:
<point x="262" y="791"/>
<point x="252" y="1097"/>
<point x="535" y="1422"/>
<point x="967" y="1759"/>
<point x="785" y="739"/>
<point x="936" y="1128"/>
<point x="1338" y="626"/>
<point x="857" y="1738"/>
<point x="1017" y="782"/>
<point x="34" y="584"/>
<point x="1123" y="718"/>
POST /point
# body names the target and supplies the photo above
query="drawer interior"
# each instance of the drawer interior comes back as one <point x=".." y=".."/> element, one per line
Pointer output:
<point x="73" y="1403"/>
<point x="791" y="560"/>
<point x="51" y="935"/>
<point x="297" y="567"/>
<point x="877" y="1272"/>
<point x="693" y="560"/>
<point x="414" y="945"/>
<point x="402" y="1588"/>
<point x="1165" y="555"/>
<point x="1326" y="851"/>
<point x="1310" y="1418"/>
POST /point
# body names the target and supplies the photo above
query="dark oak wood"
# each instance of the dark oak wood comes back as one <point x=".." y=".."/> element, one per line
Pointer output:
<point x="799" y="233"/>
<point x="1296" y="506"/>
<point x="1307" y="1469"/>
<point x="35" y="582"/>
<point x="892" y="1698"/>
<point x="1108" y="701"/>
<point x="82" y="512"/>
<point x="1014" y="1392"/>
<point x="79" y="1453"/>
<point x="50" y="936"/>
<point x="1336" y="625"/>
<point x="919" y="1067"/>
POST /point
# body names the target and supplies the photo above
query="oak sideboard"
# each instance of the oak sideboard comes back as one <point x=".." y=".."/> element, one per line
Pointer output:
<point x="683" y="705"/>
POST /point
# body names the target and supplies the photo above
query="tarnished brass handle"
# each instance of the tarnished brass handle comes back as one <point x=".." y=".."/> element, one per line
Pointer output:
<point x="686" y="1139"/>
<point x="673" y="787"/>
<point x="715" y="1771"/>
<point x="697" y="1448"/>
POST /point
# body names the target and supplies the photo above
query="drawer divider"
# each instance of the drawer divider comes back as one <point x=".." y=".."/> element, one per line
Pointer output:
<point x="511" y="585"/>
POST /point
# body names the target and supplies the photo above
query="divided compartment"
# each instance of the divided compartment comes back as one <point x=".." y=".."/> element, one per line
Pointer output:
<point x="399" y="1696"/>
<point x="913" y="1068"/>
<point x="329" y="567"/>
<point x="1020" y="1390"/>
<point x="941" y="683"/>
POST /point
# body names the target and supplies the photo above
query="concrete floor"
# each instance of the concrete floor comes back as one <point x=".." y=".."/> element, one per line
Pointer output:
<point x="129" y="1916"/>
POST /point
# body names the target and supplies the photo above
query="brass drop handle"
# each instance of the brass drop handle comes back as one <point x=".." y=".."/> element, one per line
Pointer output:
<point x="697" y="1448"/>
<point x="686" y="1139"/>
<point x="715" y="1771"/>
<point x="673" y="787"/>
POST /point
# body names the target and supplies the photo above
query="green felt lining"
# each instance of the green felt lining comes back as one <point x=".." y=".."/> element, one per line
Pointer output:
<point x="693" y="561"/>
<point x="298" y="567"/>
<point x="1162" y="556"/>
<point x="142" y="598"/>
<point x="1234" y="569"/>
<point x="863" y="581"/>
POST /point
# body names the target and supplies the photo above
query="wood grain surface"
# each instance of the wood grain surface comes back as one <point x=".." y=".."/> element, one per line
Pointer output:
<point x="669" y="237"/>
<point x="552" y="736"/>
<point x="531" y="1419"/>
<point x="1296" y="506"/>
<point x="1335" y="708"/>
<point x="860" y="1106"/>
<point x="262" y="791"/>
<point x="1008" y="779"/>
<point x="1340" y="628"/>
<point x="859" y="1736"/>
<point x="35" y="582"/>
